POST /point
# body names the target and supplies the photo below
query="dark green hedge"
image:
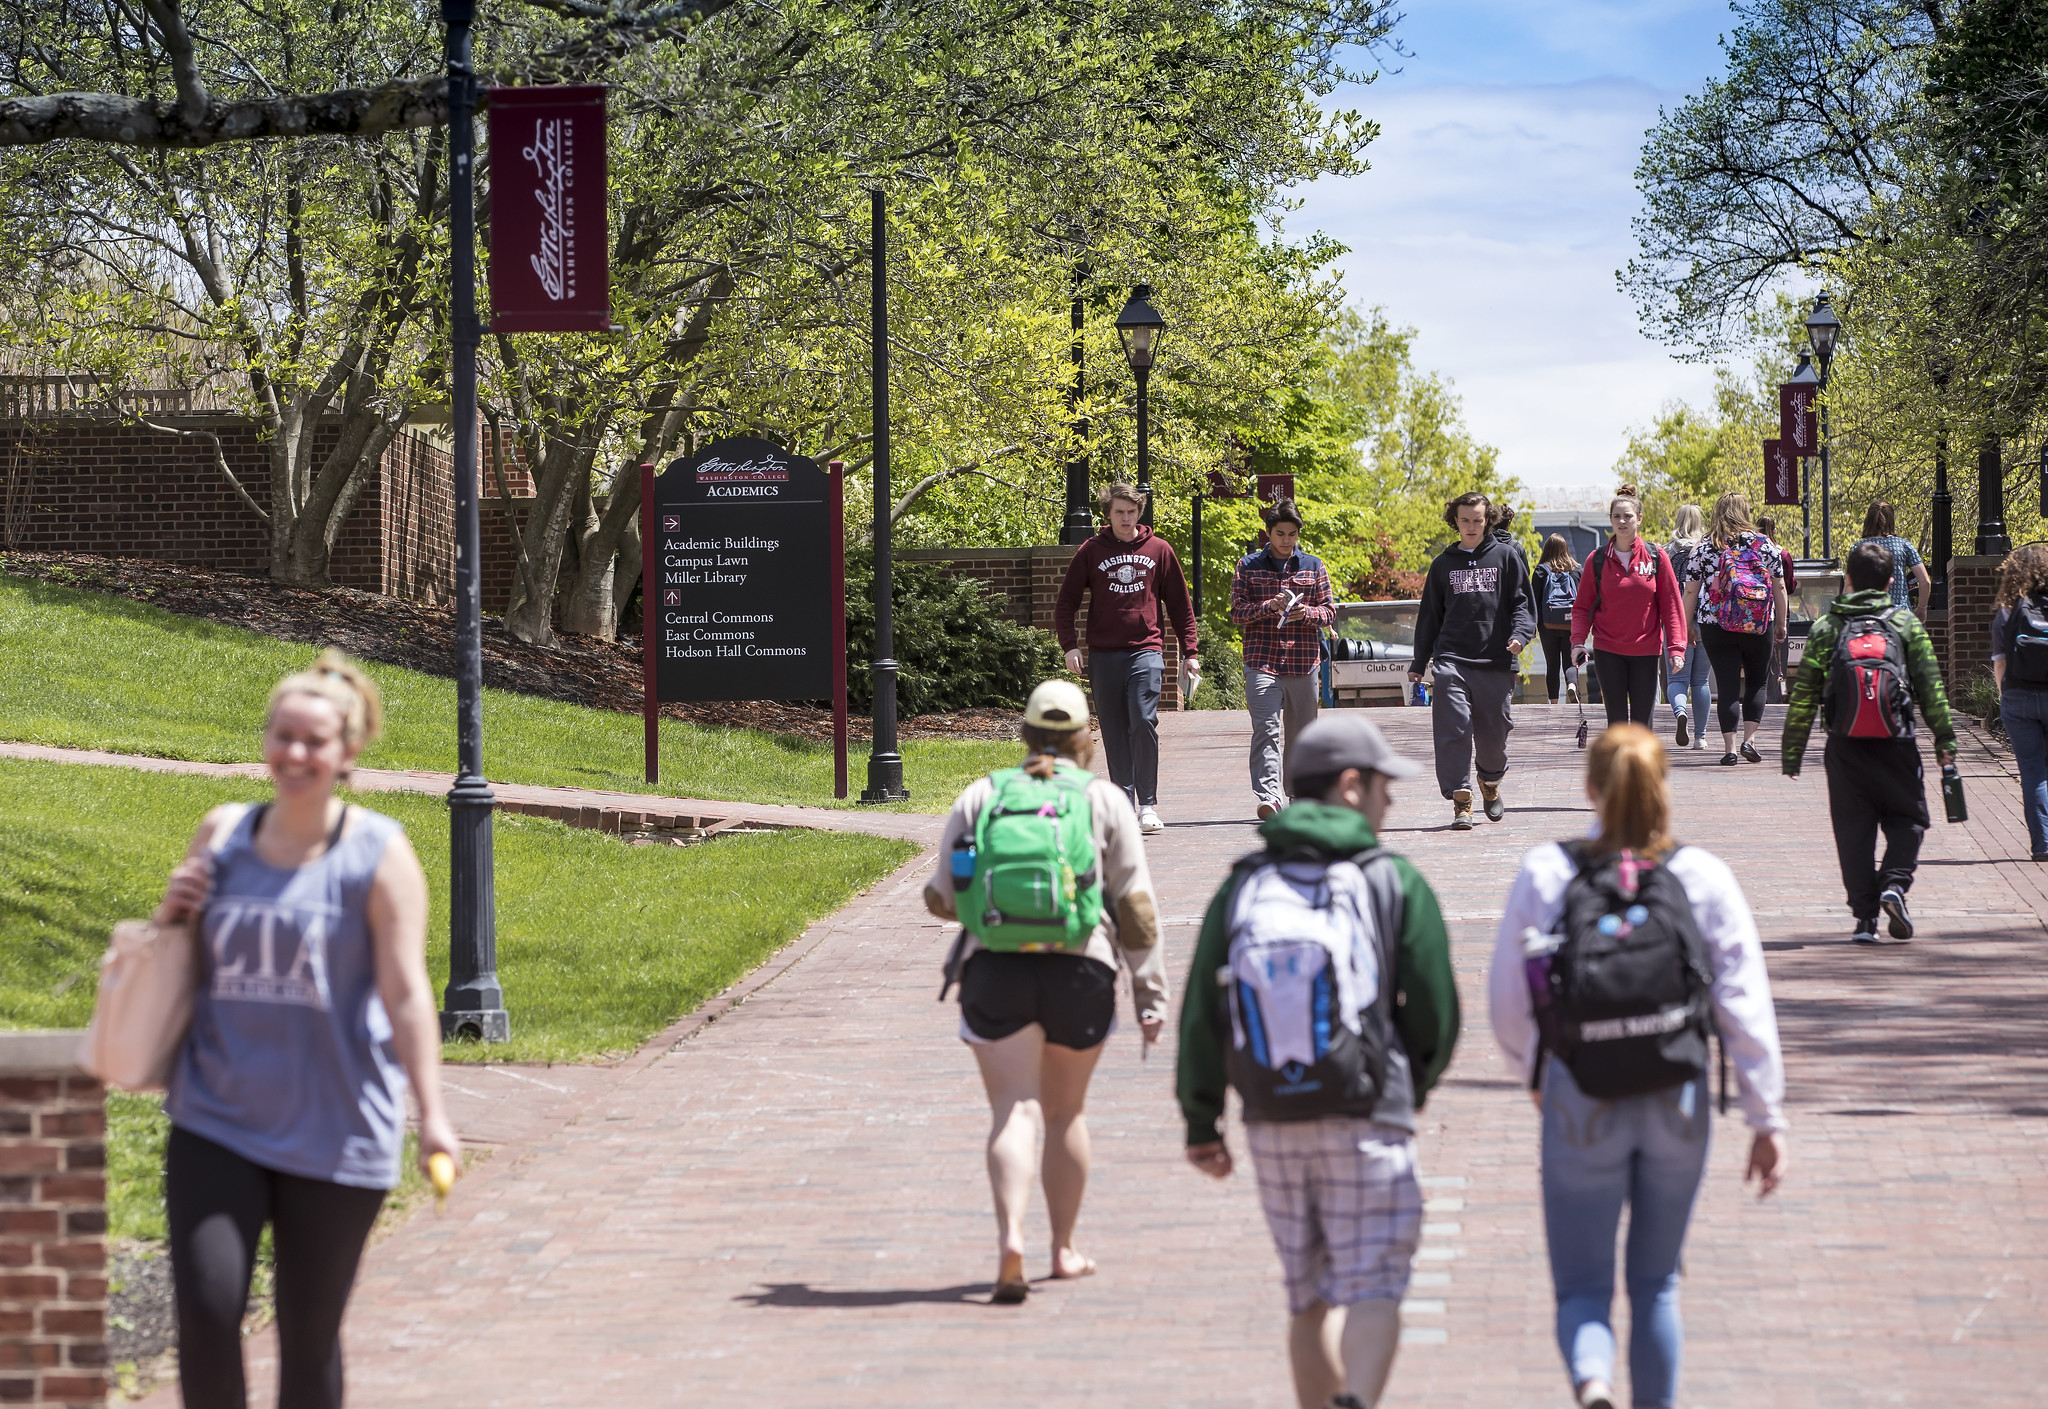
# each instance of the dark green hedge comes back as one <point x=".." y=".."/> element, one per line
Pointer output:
<point x="956" y="647"/>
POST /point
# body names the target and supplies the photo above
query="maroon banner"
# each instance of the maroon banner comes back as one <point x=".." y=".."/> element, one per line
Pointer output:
<point x="1272" y="487"/>
<point x="1798" y="421"/>
<point x="549" y="267"/>
<point x="1781" y="474"/>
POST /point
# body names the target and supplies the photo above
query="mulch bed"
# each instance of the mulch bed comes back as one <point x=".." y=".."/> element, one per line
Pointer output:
<point x="582" y="670"/>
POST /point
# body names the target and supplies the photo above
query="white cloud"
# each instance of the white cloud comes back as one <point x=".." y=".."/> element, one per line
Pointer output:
<point x="1493" y="221"/>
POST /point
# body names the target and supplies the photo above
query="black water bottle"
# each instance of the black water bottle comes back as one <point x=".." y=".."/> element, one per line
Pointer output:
<point x="1952" y="794"/>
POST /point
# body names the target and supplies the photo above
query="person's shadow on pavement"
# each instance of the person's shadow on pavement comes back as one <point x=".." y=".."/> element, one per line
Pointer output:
<point x="804" y="1294"/>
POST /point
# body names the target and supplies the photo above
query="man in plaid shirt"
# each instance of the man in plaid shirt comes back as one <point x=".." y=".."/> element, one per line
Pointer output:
<point x="1280" y="598"/>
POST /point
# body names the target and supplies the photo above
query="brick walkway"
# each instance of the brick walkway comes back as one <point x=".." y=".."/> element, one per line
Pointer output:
<point x="788" y="1208"/>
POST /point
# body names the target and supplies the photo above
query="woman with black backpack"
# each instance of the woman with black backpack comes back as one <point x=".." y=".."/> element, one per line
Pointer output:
<point x="1555" y="585"/>
<point x="1628" y="614"/>
<point x="1036" y="962"/>
<point x="2019" y="661"/>
<point x="1658" y="941"/>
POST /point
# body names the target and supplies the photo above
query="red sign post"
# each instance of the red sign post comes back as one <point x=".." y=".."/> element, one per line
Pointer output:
<point x="1781" y="474"/>
<point x="549" y="261"/>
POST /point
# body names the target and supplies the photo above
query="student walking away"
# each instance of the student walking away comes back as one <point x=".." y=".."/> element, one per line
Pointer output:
<point x="1128" y="572"/>
<point x="1628" y="612"/>
<point x="1280" y="598"/>
<point x="1554" y="586"/>
<point x="1879" y="523"/>
<point x="1046" y="873"/>
<point x="1619" y="958"/>
<point x="1322" y="990"/>
<point x="2019" y="662"/>
<point x="1691" y="692"/>
<point x="287" y="1100"/>
<point x="1866" y="664"/>
<point x="1475" y="617"/>
<point x="1735" y="588"/>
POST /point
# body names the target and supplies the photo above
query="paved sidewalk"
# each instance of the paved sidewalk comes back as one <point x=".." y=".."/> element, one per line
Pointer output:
<point x="908" y="826"/>
<point x="789" y="1207"/>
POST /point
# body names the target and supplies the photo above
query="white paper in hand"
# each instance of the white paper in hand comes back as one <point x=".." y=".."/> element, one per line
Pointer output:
<point x="1190" y="681"/>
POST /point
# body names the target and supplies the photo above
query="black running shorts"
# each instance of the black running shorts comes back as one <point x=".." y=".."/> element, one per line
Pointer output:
<point x="1071" y="996"/>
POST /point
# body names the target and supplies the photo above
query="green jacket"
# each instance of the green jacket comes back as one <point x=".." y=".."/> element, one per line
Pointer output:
<point x="1812" y="679"/>
<point x="1426" y="993"/>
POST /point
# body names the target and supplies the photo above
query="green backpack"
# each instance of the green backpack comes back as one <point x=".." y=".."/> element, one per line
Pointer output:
<point x="1035" y="883"/>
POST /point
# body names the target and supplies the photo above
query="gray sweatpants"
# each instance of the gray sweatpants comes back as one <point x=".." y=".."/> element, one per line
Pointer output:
<point x="1469" y="712"/>
<point x="1282" y="706"/>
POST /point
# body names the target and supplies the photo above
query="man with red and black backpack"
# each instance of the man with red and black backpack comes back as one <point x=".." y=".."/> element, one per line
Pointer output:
<point x="1868" y="663"/>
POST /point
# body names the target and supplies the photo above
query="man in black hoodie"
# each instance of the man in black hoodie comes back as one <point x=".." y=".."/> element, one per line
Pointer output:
<point x="1476" y="616"/>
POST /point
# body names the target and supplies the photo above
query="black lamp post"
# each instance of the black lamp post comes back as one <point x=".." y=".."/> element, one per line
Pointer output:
<point x="1991" y="539"/>
<point x="1941" y="527"/>
<point x="1079" y="524"/>
<point x="1804" y="375"/>
<point x="1822" y="329"/>
<point x="1142" y="330"/>
<point x="885" y="763"/>
<point x="473" y="1004"/>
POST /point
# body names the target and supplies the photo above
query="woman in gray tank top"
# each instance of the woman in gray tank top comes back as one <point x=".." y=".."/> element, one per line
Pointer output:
<point x="287" y="1102"/>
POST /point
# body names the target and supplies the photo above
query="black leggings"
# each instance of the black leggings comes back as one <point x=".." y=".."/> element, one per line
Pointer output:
<point x="1557" y="654"/>
<point x="1628" y="686"/>
<point x="218" y="1203"/>
<point x="1742" y="669"/>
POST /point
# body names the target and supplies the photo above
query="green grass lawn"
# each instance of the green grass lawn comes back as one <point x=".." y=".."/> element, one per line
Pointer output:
<point x="600" y="944"/>
<point x="87" y="670"/>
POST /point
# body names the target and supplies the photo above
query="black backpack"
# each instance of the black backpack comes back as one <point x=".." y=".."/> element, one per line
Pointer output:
<point x="2026" y="644"/>
<point x="1628" y="1007"/>
<point x="1868" y="694"/>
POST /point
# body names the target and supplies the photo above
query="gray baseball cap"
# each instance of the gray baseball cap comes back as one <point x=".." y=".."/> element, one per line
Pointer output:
<point x="1341" y="739"/>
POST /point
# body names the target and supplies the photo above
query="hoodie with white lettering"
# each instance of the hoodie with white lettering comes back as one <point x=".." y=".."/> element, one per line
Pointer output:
<point x="1126" y="584"/>
<point x="1473" y="602"/>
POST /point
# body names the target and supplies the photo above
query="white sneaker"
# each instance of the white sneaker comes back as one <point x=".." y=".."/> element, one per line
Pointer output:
<point x="1148" y="821"/>
<point x="1571" y="693"/>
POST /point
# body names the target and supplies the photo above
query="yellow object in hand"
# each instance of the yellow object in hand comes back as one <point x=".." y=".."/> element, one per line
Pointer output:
<point x="441" y="1171"/>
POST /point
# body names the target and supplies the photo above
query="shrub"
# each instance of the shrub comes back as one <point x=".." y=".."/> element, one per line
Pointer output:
<point x="956" y="647"/>
<point x="1222" y="672"/>
<point x="1979" y="696"/>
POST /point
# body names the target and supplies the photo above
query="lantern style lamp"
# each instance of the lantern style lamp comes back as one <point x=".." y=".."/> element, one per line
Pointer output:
<point x="1142" y="331"/>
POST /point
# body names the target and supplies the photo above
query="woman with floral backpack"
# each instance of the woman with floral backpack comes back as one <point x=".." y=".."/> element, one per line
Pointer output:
<point x="1735" y="589"/>
<point x="1045" y="869"/>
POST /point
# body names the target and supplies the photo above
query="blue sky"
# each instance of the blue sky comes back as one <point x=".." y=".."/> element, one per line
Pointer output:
<point x="1498" y="209"/>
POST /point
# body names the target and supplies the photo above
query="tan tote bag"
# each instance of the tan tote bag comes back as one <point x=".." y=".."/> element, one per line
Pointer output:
<point x="148" y="978"/>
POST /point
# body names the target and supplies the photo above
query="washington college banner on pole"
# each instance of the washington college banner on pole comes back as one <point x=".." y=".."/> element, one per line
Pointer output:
<point x="548" y="238"/>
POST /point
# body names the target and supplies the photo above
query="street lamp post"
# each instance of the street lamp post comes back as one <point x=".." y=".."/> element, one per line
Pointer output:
<point x="1941" y="528"/>
<point x="885" y="763"/>
<point x="1142" y="331"/>
<point x="1822" y="329"/>
<point x="1804" y="375"/>
<point x="1991" y="539"/>
<point x="473" y="1004"/>
<point x="1079" y="525"/>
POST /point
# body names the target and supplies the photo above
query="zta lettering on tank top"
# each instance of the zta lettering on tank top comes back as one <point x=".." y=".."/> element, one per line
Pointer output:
<point x="266" y="952"/>
<point x="1475" y="579"/>
<point x="1127" y="573"/>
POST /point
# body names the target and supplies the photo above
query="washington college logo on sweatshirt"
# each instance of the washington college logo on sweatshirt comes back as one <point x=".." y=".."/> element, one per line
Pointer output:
<point x="1129" y="573"/>
<point x="1475" y="579"/>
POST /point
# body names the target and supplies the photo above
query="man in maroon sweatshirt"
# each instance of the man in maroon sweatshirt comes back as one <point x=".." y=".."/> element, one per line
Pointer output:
<point x="1127" y="572"/>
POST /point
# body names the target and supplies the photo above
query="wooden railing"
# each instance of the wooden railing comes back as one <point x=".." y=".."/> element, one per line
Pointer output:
<point x="27" y="398"/>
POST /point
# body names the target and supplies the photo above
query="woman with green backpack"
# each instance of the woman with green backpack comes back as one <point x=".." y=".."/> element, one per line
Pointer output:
<point x="1044" y="867"/>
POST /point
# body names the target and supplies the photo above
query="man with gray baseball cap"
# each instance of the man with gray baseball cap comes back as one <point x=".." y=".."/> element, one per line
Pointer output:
<point x="1326" y="919"/>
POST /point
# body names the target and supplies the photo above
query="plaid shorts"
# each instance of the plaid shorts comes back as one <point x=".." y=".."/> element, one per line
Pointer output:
<point x="1344" y="1204"/>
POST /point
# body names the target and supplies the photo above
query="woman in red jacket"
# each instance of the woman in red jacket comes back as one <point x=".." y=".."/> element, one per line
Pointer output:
<point x="1630" y="605"/>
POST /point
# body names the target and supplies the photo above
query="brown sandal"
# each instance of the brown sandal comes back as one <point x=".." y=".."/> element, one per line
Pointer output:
<point x="1011" y="1285"/>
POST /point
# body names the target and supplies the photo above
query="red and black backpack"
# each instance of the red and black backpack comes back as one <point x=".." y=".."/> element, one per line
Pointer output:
<point x="1868" y="693"/>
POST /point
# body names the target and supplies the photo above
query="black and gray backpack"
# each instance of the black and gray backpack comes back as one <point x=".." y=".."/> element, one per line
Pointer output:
<point x="1627" y="1006"/>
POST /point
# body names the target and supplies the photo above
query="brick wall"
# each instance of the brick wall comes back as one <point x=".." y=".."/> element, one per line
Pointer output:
<point x="53" y="1225"/>
<point x="1971" y="585"/>
<point x="1029" y="580"/>
<point x="87" y="485"/>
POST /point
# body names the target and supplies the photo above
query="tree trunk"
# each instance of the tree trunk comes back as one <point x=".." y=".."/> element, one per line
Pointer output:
<point x="546" y="532"/>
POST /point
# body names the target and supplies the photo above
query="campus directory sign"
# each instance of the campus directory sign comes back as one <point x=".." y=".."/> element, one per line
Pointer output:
<point x="744" y="574"/>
